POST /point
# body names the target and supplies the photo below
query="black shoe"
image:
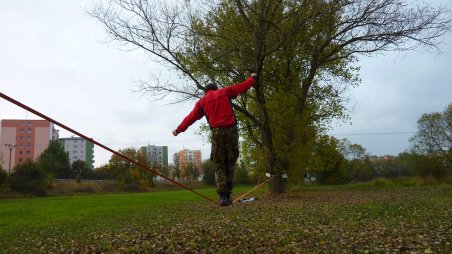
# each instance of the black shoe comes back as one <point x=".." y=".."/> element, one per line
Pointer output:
<point x="229" y="198"/>
<point x="224" y="200"/>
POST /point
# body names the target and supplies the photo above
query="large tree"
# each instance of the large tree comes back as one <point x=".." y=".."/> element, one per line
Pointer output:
<point x="303" y="51"/>
<point x="434" y="134"/>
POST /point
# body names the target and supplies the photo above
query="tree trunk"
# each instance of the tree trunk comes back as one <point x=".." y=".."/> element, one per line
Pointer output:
<point x="277" y="185"/>
<point x="274" y="167"/>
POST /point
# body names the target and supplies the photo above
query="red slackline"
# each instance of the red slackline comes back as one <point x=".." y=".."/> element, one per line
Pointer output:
<point x="101" y="145"/>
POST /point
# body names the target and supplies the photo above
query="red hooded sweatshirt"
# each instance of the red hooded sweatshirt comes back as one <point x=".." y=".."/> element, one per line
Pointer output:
<point x="216" y="106"/>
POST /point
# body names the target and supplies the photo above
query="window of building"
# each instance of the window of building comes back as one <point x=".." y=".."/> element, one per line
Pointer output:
<point x="75" y="146"/>
<point x="29" y="138"/>
<point x="21" y="123"/>
<point x="28" y="152"/>
<point x="74" y="151"/>
<point x="74" y="157"/>
<point x="29" y="131"/>
<point x="21" y="145"/>
<point x="21" y="137"/>
<point x="29" y="123"/>
<point x="28" y="145"/>
<point x="20" y="159"/>
<point x="22" y="131"/>
<point x="20" y="152"/>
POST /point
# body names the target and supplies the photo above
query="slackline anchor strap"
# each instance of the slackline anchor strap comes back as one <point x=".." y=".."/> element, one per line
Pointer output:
<point x="253" y="189"/>
<point x="270" y="176"/>
<point x="143" y="167"/>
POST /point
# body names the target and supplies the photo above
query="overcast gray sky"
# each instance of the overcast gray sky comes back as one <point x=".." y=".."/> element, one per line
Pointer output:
<point x="54" y="59"/>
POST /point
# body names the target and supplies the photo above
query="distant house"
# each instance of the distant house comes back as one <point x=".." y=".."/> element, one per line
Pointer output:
<point x="380" y="158"/>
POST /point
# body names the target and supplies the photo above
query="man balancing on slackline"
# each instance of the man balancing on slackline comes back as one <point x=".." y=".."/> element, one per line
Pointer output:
<point x="216" y="106"/>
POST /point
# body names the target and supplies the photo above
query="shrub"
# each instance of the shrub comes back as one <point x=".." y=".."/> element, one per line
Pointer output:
<point x="241" y="175"/>
<point x="29" y="178"/>
<point x="3" y="176"/>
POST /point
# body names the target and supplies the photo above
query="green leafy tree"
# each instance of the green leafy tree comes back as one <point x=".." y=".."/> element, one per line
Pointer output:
<point x="209" y="173"/>
<point x="101" y="173"/>
<point x="394" y="167"/>
<point x="335" y="161"/>
<point x="79" y="169"/>
<point x="434" y="134"/>
<point x="28" y="177"/>
<point x="118" y="166"/>
<point x="3" y="176"/>
<point x="1" y="159"/>
<point x="432" y="165"/>
<point x="305" y="53"/>
<point x="191" y="171"/>
<point x="325" y="160"/>
<point x="55" y="161"/>
<point x="176" y="166"/>
<point x="241" y="175"/>
<point x="130" y="176"/>
<point x="411" y="163"/>
<point x="252" y="158"/>
<point x="367" y="170"/>
<point x="404" y="164"/>
<point x="355" y="164"/>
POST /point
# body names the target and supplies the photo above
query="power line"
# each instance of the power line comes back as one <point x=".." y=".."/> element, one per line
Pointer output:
<point x="373" y="133"/>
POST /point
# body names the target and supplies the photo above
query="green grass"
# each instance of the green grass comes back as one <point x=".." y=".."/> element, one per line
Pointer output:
<point x="36" y="212"/>
<point x="357" y="218"/>
<point x="68" y="216"/>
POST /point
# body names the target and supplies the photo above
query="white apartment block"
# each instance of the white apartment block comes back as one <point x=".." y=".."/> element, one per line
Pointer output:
<point x="78" y="149"/>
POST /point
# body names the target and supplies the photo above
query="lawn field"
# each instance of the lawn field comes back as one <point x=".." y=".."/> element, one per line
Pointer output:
<point x="305" y="220"/>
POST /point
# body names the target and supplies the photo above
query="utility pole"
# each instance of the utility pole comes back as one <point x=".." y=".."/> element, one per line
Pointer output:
<point x="11" y="147"/>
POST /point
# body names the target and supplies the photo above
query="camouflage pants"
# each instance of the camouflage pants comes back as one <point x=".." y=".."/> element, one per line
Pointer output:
<point x="224" y="154"/>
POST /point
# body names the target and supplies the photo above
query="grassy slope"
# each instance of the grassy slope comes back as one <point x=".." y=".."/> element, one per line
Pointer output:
<point x="306" y="220"/>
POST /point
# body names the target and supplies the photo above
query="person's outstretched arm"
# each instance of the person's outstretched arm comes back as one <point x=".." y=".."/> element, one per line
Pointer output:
<point x="242" y="87"/>
<point x="194" y="115"/>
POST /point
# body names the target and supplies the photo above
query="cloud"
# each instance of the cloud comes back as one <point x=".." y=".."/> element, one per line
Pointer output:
<point x="53" y="58"/>
<point x="396" y="90"/>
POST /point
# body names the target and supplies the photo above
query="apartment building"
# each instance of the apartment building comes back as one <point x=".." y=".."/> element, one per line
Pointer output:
<point x="157" y="156"/>
<point x="189" y="156"/>
<point x="26" y="138"/>
<point x="78" y="149"/>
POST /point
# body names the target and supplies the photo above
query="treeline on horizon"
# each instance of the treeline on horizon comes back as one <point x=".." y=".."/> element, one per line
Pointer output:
<point x="329" y="161"/>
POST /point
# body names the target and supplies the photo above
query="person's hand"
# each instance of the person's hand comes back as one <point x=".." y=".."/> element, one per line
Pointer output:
<point x="253" y="74"/>
<point x="175" y="132"/>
